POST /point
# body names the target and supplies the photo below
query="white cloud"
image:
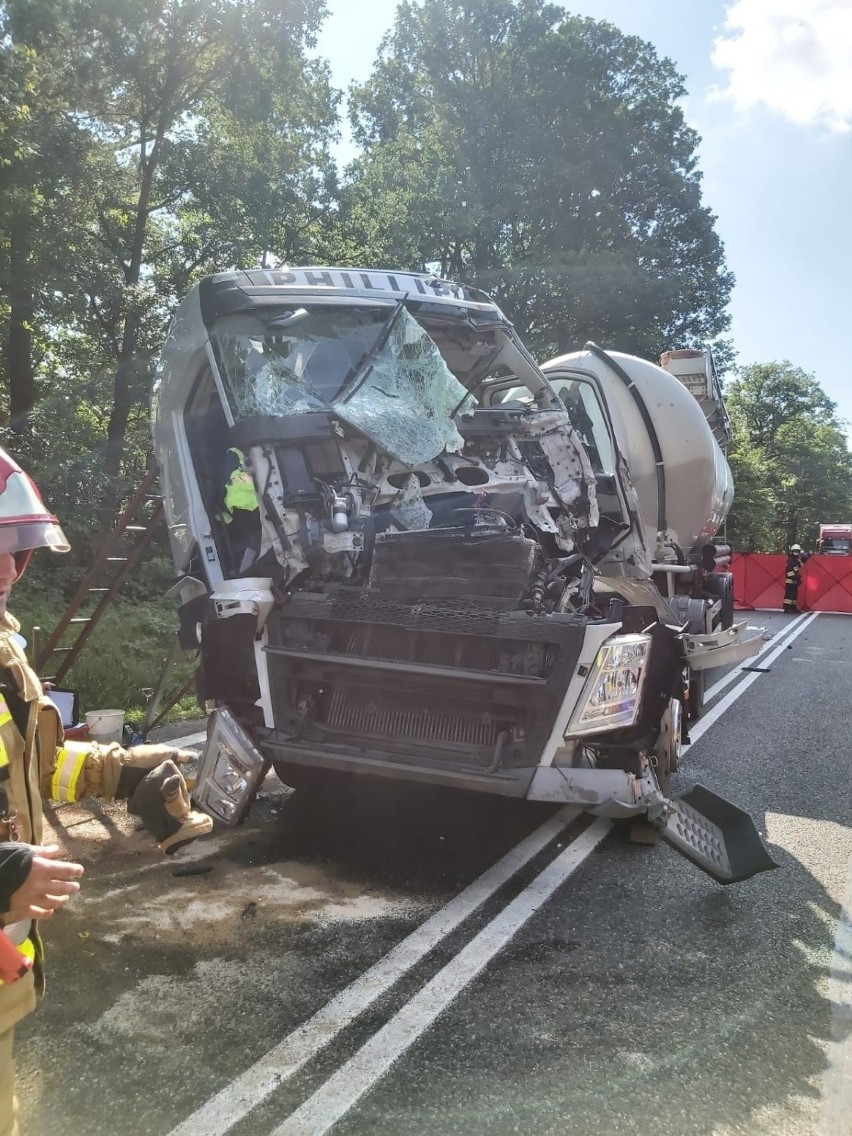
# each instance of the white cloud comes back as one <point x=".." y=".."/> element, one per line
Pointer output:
<point x="793" y="56"/>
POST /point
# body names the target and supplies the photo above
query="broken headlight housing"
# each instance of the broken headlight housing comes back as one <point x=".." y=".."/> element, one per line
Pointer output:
<point x="613" y="691"/>
<point x="230" y="770"/>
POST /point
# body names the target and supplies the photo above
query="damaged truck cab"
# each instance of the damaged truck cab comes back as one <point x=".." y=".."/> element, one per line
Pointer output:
<point x="456" y="567"/>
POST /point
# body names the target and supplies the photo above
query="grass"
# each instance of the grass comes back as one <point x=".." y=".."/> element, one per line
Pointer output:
<point x="123" y="657"/>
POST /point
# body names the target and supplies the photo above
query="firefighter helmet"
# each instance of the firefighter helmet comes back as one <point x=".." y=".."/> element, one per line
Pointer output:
<point x="25" y="523"/>
<point x="795" y="548"/>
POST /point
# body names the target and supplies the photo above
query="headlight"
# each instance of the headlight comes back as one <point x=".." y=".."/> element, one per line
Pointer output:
<point x="613" y="690"/>
<point x="230" y="770"/>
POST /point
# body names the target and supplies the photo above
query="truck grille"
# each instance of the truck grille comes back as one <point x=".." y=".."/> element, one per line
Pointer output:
<point x="440" y="649"/>
<point x="422" y="684"/>
<point x="362" y="711"/>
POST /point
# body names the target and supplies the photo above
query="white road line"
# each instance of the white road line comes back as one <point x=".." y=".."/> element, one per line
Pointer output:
<point x="330" y="1102"/>
<point x="834" y="1118"/>
<point x="704" y="724"/>
<point x="735" y="672"/>
<point x="232" y="1103"/>
<point x="321" y="1111"/>
<point x="344" y="1089"/>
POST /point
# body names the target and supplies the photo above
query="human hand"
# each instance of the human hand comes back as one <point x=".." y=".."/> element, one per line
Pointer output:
<point x="49" y="884"/>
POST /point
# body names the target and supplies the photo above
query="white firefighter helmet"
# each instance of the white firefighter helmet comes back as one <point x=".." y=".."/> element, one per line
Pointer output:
<point x="25" y="523"/>
<point x="795" y="548"/>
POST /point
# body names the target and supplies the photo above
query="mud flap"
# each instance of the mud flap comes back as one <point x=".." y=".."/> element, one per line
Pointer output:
<point x="717" y="836"/>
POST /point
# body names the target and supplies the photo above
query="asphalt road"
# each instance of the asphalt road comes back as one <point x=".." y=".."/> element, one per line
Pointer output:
<point x="586" y="984"/>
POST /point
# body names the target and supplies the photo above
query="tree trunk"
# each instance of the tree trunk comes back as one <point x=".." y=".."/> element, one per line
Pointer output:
<point x="123" y="398"/>
<point x="19" y="340"/>
<point x="127" y="362"/>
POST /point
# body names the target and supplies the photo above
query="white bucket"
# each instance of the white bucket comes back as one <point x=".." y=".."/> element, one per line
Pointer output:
<point x="105" y="725"/>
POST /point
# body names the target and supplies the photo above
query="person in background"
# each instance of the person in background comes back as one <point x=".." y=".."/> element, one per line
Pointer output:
<point x="36" y="764"/>
<point x="793" y="577"/>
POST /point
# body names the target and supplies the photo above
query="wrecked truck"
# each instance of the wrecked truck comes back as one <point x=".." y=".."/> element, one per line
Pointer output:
<point x="463" y="569"/>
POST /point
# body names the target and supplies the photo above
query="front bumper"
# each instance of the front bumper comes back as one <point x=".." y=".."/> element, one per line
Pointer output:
<point x="456" y="691"/>
<point x="605" y="792"/>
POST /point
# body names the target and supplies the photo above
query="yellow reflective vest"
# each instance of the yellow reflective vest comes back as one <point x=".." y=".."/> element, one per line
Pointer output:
<point x="240" y="492"/>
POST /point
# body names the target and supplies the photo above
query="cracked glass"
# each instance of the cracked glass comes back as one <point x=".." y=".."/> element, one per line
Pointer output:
<point x="375" y="368"/>
<point x="405" y="400"/>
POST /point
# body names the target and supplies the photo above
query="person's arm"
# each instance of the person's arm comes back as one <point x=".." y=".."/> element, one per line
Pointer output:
<point x="109" y="771"/>
<point x="146" y="776"/>
<point x="34" y="882"/>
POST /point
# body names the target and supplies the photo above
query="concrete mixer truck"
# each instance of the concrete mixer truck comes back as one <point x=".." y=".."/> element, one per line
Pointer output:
<point x="406" y="550"/>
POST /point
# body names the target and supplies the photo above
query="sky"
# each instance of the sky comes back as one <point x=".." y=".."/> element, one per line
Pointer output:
<point x="770" y="92"/>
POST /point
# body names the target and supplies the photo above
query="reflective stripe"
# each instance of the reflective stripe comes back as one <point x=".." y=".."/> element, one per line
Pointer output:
<point x="63" y="783"/>
<point x="27" y="948"/>
<point x="5" y="717"/>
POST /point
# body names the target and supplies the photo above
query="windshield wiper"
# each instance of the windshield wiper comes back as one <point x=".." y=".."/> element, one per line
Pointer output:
<point x="361" y="370"/>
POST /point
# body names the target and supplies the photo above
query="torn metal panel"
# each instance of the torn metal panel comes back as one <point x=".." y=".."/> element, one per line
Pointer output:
<point x="605" y="792"/>
<point x="722" y="648"/>
<point x="573" y="477"/>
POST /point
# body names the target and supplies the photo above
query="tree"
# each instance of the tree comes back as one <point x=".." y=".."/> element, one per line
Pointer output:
<point x="39" y="152"/>
<point x="544" y="157"/>
<point x="162" y="139"/>
<point x="790" y="459"/>
<point x="168" y="70"/>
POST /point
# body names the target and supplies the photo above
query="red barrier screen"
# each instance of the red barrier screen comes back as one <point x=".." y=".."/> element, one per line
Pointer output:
<point x="759" y="582"/>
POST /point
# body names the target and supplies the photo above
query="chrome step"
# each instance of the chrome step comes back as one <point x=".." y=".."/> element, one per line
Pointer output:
<point x="716" y="835"/>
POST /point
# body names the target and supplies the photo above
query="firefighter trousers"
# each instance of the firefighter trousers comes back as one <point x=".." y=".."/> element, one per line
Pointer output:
<point x="8" y="1104"/>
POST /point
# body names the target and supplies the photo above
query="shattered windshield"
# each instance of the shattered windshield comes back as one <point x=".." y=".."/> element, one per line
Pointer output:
<point x="374" y="367"/>
<point x="294" y="362"/>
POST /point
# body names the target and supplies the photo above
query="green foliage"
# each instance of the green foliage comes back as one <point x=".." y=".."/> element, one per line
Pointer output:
<point x="790" y="459"/>
<point x="159" y="141"/>
<point x="124" y="655"/>
<point x="146" y="143"/>
<point x="17" y="79"/>
<point x="546" y="158"/>
<point x="542" y="156"/>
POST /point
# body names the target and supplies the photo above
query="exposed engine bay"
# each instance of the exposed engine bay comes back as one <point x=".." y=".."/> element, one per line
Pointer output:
<point x="418" y="453"/>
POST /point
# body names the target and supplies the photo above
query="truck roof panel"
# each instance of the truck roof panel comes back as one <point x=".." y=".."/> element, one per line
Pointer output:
<point x="351" y="281"/>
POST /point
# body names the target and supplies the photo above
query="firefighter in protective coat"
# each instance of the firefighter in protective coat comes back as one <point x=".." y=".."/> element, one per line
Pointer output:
<point x="36" y="764"/>
<point x="793" y="577"/>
